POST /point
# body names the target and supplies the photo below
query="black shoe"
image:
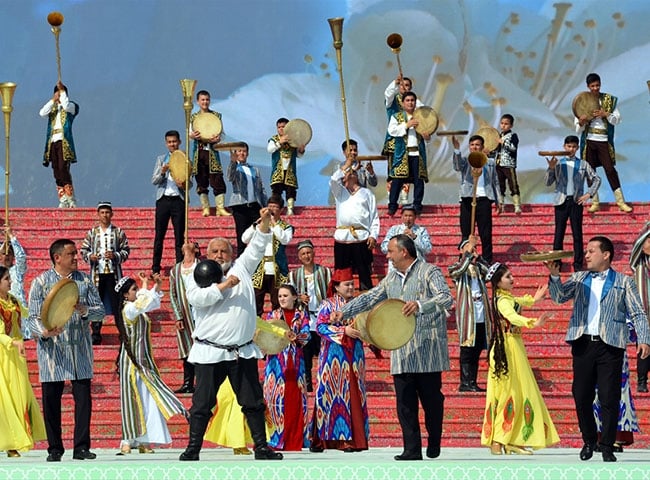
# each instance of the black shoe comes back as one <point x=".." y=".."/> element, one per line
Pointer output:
<point x="587" y="451"/>
<point x="310" y="387"/>
<point x="469" y="387"/>
<point x="391" y="212"/>
<point x="189" y="456"/>
<point x="608" y="456"/>
<point x="97" y="339"/>
<point x="84" y="455"/>
<point x="433" y="452"/>
<point x="409" y="456"/>
<point x="54" y="457"/>
<point x="642" y="388"/>
<point x="316" y="449"/>
<point x="185" y="388"/>
<point x="265" y="453"/>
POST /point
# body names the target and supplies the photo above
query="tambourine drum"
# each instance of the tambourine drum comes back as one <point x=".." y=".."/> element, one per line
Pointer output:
<point x="59" y="304"/>
<point x="299" y="132"/>
<point x="585" y="103"/>
<point x="553" y="153"/>
<point x="178" y="166"/>
<point x="387" y="327"/>
<point x="449" y="133"/>
<point x="360" y="324"/>
<point x="208" y="124"/>
<point x="271" y="343"/>
<point x="545" y="256"/>
<point x="427" y="120"/>
<point x="490" y="136"/>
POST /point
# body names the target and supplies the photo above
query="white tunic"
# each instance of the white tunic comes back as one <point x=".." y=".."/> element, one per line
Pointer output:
<point x="358" y="210"/>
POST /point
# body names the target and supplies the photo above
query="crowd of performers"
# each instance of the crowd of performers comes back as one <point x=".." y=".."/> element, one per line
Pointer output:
<point x="217" y="322"/>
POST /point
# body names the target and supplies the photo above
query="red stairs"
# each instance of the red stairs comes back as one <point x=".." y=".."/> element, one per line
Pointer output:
<point x="513" y="234"/>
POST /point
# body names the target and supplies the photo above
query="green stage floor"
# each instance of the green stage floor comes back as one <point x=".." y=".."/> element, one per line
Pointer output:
<point x="375" y="464"/>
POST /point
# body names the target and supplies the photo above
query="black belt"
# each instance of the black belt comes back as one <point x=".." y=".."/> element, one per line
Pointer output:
<point x="592" y="338"/>
<point x="229" y="348"/>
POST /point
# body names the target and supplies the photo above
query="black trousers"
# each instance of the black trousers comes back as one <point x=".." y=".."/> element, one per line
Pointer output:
<point x="245" y="382"/>
<point x="596" y="363"/>
<point x="598" y="156"/>
<point x="396" y="185"/>
<point x="358" y="257"/>
<point x="205" y="179"/>
<point x="168" y="207"/>
<point x="483" y="221"/>
<point x="507" y="177"/>
<point x="244" y="215"/>
<point x="570" y="210"/>
<point x="472" y="355"/>
<point x="268" y="286"/>
<point x="309" y="351"/>
<point x="106" y="289"/>
<point x="425" y="387"/>
<point x="52" y="392"/>
<point x="278" y="188"/>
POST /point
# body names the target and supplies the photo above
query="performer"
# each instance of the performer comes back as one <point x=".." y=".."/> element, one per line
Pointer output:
<point x="223" y="342"/>
<point x="170" y="203"/>
<point x="247" y="195"/>
<point x="516" y="416"/>
<point x="284" y="174"/>
<point x="408" y="227"/>
<point x="274" y="267"/>
<point x="206" y="163"/>
<point x="105" y="248"/>
<point x="183" y="311"/>
<point x="285" y="390"/>
<point x="366" y="175"/>
<point x="602" y="301"/>
<point x="417" y="366"/>
<point x="506" y="162"/>
<point x="597" y="140"/>
<point x="65" y="352"/>
<point x="59" y="144"/>
<point x="472" y="311"/>
<point x="569" y="176"/>
<point x="487" y="192"/>
<point x="340" y="419"/>
<point x="21" y="421"/>
<point x="409" y="161"/>
<point x="357" y="224"/>
<point x="311" y="281"/>
<point x="640" y="265"/>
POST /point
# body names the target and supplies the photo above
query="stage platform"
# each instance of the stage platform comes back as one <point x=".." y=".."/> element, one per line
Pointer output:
<point x="375" y="464"/>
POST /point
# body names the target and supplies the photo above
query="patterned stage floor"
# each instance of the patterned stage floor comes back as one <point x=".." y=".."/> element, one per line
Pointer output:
<point x="376" y="464"/>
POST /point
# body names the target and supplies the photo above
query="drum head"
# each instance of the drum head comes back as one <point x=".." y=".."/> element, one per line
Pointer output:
<point x="545" y="256"/>
<point x="299" y="132"/>
<point x="59" y="304"/>
<point x="178" y="166"/>
<point x="490" y="136"/>
<point x="585" y="103"/>
<point x="360" y="324"/>
<point x="427" y="120"/>
<point x="271" y="343"/>
<point x="208" y="124"/>
<point x="387" y="327"/>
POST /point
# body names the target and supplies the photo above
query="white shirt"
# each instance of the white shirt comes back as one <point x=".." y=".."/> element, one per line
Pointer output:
<point x="358" y="210"/>
<point x="398" y="129"/>
<point x="284" y="236"/>
<point x="598" y="123"/>
<point x="593" y="314"/>
<point x="64" y="104"/>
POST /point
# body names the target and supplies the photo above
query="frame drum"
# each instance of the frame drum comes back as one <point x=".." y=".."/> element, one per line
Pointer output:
<point x="299" y="132"/>
<point x="387" y="328"/>
<point x="585" y="103"/>
<point x="59" y="304"/>
<point x="178" y="166"/>
<point x="208" y="124"/>
<point x="490" y="136"/>
<point x="427" y="120"/>
<point x="271" y="343"/>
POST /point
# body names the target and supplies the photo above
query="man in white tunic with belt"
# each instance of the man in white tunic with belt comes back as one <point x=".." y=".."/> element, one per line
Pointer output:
<point x="225" y="323"/>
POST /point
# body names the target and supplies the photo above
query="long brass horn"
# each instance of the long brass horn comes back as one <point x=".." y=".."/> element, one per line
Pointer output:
<point x="476" y="160"/>
<point x="336" y="25"/>
<point x="394" y="41"/>
<point x="55" y="19"/>
<point x="7" y="90"/>
<point x="187" y="87"/>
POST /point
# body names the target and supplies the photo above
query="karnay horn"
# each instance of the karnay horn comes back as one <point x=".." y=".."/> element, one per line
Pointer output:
<point x="55" y="19"/>
<point x="7" y="90"/>
<point x="394" y="41"/>
<point x="187" y="87"/>
<point x="336" y="25"/>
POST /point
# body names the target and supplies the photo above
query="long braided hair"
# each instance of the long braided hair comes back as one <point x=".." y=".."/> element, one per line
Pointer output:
<point x="121" y="328"/>
<point x="497" y="347"/>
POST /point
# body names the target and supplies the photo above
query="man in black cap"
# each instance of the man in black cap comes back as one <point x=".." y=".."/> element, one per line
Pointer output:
<point x="311" y="281"/>
<point x="105" y="248"/>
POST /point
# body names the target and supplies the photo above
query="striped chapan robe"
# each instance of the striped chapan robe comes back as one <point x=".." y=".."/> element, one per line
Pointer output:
<point x="181" y="307"/>
<point x="141" y="385"/>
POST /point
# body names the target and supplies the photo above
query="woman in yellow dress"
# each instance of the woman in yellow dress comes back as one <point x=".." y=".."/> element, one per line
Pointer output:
<point x="516" y="416"/>
<point x="21" y="422"/>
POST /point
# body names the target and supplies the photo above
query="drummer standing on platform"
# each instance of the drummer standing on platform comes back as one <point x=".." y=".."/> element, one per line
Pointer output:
<point x="65" y="352"/>
<point x="59" y="145"/>
<point x="284" y="175"/>
<point x="597" y="140"/>
<point x="206" y="164"/>
<point x="170" y="203"/>
<point x="418" y="365"/>
<point x="409" y="161"/>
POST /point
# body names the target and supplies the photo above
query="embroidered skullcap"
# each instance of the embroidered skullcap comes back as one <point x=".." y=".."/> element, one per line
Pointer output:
<point x="304" y="244"/>
<point x="491" y="271"/>
<point x="120" y="283"/>
<point x="104" y="205"/>
<point x="408" y="206"/>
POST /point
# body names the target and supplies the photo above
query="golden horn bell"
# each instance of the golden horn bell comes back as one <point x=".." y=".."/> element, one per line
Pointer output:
<point x="336" y="26"/>
<point x="55" y="19"/>
<point x="477" y="159"/>
<point x="394" y="41"/>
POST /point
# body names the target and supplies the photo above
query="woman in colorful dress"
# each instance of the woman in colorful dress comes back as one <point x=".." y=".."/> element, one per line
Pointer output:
<point x="516" y="416"/>
<point x="285" y="388"/>
<point x="21" y="422"/>
<point x="340" y="419"/>
<point x="145" y="400"/>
